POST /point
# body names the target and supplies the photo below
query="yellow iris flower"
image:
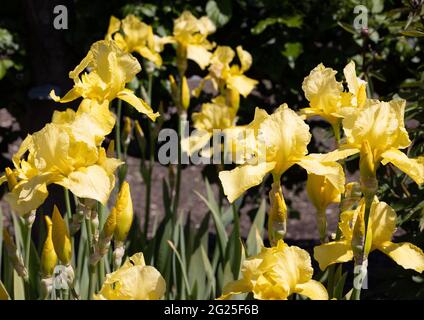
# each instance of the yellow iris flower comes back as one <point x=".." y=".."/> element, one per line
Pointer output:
<point x="65" y="152"/>
<point x="191" y="34"/>
<point x="281" y="141"/>
<point x="136" y="36"/>
<point x="276" y="273"/>
<point x="110" y="69"/>
<point x="223" y="75"/>
<point x="325" y="94"/>
<point x="133" y="281"/>
<point x="381" y="226"/>
<point x="378" y="132"/>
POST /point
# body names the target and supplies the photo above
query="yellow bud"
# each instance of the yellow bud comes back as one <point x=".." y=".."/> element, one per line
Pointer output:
<point x="139" y="134"/>
<point x="61" y="241"/>
<point x="110" y="152"/>
<point x="11" y="179"/>
<point x="233" y="99"/>
<point x="367" y="169"/>
<point x="358" y="235"/>
<point x="277" y="220"/>
<point x="124" y="213"/>
<point x="174" y="88"/>
<point x="185" y="94"/>
<point x="48" y="255"/>
<point x="110" y="224"/>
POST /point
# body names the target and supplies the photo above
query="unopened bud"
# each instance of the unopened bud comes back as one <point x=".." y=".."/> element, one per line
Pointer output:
<point x="174" y="89"/>
<point x="110" y="152"/>
<point x="141" y="139"/>
<point x="277" y="220"/>
<point x="233" y="99"/>
<point x="60" y="235"/>
<point x="367" y="168"/>
<point x="127" y="131"/>
<point x="48" y="255"/>
<point x="124" y="212"/>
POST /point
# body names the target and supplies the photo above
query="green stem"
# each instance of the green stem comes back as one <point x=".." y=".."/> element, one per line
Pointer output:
<point x="178" y="179"/>
<point x="322" y="225"/>
<point x="361" y="262"/>
<point x="92" y="269"/>
<point x="102" y="271"/>
<point x="26" y="262"/>
<point x="151" y="161"/>
<point x="68" y="205"/>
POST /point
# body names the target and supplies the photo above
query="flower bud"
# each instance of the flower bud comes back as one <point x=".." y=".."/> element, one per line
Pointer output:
<point x="127" y="131"/>
<point x="185" y="94"/>
<point x="277" y="221"/>
<point x="110" y="224"/>
<point x="48" y="255"/>
<point x="174" y="89"/>
<point x="110" y="152"/>
<point x="124" y="212"/>
<point x="233" y="99"/>
<point x="367" y="168"/>
<point x="11" y="179"/>
<point x="60" y="235"/>
<point x="139" y="134"/>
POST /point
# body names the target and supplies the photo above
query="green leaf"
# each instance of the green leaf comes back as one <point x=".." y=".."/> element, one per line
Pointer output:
<point x="196" y="274"/>
<point x="347" y="27"/>
<point x="413" y="33"/>
<point x="338" y="290"/>
<point x="219" y="11"/>
<point x="292" y="50"/>
<point x="213" y="207"/>
<point x="234" y="246"/>
<point x="209" y="273"/>
<point x="182" y="265"/>
<point x="252" y="244"/>
<point x="5" y="64"/>
<point x="18" y="287"/>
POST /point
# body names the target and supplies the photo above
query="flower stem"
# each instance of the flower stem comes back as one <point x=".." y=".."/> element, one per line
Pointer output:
<point x="182" y="118"/>
<point x="151" y="160"/>
<point x="92" y="268"/>
<point x="26" y="262"/>
<point x="29" y="221"/>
